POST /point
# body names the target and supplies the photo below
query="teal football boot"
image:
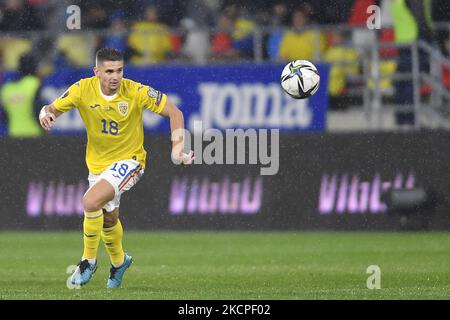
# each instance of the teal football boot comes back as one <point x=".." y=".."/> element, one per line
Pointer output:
<point x="83" y="273"/>
<point x="116" y="274"/>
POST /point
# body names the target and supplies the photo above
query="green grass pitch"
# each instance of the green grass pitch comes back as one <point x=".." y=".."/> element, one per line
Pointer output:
<point x="234" y="265"/>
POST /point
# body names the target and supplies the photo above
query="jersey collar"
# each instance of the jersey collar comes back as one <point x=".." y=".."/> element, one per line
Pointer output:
<point x="107" y="98"/>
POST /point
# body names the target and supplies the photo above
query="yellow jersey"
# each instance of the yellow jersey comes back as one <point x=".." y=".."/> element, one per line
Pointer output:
<point x="300" y="45"/>
<point x="114" y="127"/>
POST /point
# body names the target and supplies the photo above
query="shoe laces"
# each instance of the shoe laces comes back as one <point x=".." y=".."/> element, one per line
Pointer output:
<point x="84" y="265"/>
<point x="112" y="272"/>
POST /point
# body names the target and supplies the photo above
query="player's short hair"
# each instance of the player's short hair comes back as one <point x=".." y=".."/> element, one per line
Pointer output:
<point x="108" y="54"/>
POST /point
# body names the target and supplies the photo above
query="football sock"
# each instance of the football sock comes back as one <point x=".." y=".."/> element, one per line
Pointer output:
<point x="112" y="237"/>
<point x="92" y="228"/>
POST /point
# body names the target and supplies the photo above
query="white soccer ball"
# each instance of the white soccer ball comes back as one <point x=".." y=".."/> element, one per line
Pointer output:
<point x="300" y="79"/>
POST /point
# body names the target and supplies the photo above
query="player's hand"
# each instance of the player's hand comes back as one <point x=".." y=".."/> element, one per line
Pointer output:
<point x="46" y="118"/>
<point x="183" y="158"/>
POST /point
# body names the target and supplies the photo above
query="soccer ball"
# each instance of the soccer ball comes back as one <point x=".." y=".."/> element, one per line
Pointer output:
<point x="300" y="79"/>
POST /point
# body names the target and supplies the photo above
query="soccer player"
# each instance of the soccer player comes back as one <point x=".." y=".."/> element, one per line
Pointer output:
<point x="111" y="108"/>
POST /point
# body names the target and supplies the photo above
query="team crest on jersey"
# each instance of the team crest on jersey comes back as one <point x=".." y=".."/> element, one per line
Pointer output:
<point x="152" y="93"/>
<point x="123" y="108"/>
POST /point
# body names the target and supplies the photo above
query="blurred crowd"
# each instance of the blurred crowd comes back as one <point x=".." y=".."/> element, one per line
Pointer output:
<point x="153" y="31"/>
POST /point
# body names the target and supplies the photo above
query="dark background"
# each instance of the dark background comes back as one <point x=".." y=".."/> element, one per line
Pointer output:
<point x="289" y="200"/>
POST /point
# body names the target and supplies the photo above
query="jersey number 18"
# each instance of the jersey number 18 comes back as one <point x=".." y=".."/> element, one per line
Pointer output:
<point x="113" y="127"/>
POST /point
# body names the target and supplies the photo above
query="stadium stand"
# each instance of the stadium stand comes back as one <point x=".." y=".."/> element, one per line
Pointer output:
<point x="202" y="32"/>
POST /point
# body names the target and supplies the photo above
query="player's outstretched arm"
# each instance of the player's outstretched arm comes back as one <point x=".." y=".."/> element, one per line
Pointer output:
<point x="48" y="116"/>
<point x="171" y="111"/>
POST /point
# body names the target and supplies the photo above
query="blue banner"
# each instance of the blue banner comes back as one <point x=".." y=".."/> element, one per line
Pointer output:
<point x="221" y="96"/>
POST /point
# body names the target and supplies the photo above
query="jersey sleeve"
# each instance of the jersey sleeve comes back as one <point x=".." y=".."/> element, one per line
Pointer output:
<point x="152" y="99"/>
<point x="69" y="99"/>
